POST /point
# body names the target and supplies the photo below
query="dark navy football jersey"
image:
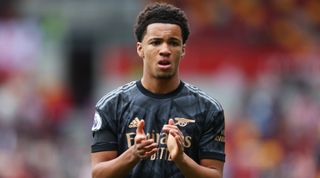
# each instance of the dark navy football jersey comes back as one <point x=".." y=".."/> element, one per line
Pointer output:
<point x="199" y="117"/>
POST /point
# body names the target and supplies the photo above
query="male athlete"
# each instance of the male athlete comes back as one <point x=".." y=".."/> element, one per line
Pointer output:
<point x="159" y="126"/>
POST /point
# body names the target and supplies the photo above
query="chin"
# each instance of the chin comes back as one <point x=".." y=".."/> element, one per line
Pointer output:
<point x="165" y="76"/>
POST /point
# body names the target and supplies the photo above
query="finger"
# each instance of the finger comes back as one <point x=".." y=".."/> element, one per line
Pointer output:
<point x="176" y="132"/>
<point x="179" y="139"/>
<point x="167" y="128"/>
<point x="142" y="156"/>
<point x="145" y="143"/>
<point x="171" y="122"/>
<point x="179" y="143"/>
<point x="180" y="133"/>
<point x="173" y="133"/>
<point x="140" y="128"/>
<point x="172" y="143"/>
<point x="147" y="152"/>
<point x="139" y="138"/>
<point x="150" y="153"/>
<point x="170" y="126"/>
<point x="141" y="152"/>
<point x="150" y="147"/>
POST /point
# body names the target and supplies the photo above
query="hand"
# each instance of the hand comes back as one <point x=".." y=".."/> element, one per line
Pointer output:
<point x="175" y="140"/>
<point x="142" y="147"/>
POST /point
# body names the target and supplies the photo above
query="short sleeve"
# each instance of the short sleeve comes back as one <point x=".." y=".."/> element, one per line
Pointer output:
<point x="104" y="131"/>
<point x="212" y="142"/>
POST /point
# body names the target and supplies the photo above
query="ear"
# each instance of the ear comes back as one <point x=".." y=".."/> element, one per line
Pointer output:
<point x="183" y="50"/>
<point x="140" y="50"/>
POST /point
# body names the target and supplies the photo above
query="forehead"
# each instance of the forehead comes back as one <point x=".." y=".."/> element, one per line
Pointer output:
<point x="163" y="30"/>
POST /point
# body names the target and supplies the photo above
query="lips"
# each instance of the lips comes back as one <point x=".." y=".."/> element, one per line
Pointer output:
<point x="164" y="64"/>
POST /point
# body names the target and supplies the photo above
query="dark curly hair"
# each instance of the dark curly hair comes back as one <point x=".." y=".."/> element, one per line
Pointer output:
<point x="161" y="13"/>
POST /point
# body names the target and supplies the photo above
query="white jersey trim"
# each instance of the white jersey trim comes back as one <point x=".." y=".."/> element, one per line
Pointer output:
<point x="204" y="95"/>
<point x="102" y="102"/>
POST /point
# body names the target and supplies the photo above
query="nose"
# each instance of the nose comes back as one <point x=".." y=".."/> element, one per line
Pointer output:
<point x="165" y="50"/>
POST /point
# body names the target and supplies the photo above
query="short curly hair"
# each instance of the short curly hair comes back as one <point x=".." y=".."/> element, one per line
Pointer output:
<point x="161" y="13"/>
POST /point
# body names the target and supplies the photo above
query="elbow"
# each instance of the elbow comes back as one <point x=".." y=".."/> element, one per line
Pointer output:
<point x="95" y="172"/>
<point x="219" y="174"/>
<point x="100" y="172"/>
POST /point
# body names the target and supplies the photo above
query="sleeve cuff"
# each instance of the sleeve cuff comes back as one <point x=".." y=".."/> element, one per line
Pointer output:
<point x="103" y="147"/>
<point x="213" y="155"/>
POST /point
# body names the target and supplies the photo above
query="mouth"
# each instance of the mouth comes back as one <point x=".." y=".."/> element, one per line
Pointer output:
<point x="164" y="64"/>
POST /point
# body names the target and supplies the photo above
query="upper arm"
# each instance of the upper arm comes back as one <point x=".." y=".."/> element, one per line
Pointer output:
<point x="104" y="133"/>
<point x="212" y="143"/>
<point x="213" y="164"/>
<point x="102" y="156"/>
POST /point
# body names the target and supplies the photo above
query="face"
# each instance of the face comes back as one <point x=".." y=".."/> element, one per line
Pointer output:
<point x="161" y="50"/>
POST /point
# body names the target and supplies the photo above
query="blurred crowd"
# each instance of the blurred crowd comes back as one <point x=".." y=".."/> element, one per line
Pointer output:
<point x="260" y="59"/>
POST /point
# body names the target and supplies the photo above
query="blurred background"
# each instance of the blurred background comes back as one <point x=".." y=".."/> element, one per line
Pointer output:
<point x="260" y="59"/>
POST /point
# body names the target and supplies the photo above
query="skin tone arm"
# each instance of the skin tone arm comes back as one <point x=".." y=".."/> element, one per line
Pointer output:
<point x="188" y="167"/>
<point x="109" y="164"/>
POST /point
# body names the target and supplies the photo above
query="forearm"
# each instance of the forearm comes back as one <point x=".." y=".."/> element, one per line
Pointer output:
<point x="191" y="169"/>
<point x="115" y="168"/>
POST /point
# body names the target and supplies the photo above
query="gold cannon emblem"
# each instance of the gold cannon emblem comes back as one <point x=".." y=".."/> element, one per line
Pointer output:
<point x="183" y="121"/>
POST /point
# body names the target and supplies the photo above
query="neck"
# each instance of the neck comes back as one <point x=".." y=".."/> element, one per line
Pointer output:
<point x="160" y="86"/>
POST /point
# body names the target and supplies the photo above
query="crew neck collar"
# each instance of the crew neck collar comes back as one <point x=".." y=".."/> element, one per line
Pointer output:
<point x="156" y="95"/>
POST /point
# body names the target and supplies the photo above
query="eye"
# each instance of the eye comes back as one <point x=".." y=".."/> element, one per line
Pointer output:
<point x="155" y="42"/>
<point x="174" y="43"/>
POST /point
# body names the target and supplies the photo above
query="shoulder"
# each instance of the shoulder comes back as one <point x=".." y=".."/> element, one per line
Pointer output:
<point x="115" y="94"/>
<point x="204" y="97"/>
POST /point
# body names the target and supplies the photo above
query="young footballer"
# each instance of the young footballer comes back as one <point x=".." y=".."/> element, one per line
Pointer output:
<point x="158" y="126"/>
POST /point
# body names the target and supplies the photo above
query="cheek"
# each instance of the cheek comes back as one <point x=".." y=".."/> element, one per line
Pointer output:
<point x="149" y="59"/>
<point x="178" y="55"/>
<point x="150" y="55"/>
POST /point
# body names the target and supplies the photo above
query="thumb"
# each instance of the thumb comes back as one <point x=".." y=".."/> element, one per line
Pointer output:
<point x="140" y="127"/>
<point x="171" y="122"/>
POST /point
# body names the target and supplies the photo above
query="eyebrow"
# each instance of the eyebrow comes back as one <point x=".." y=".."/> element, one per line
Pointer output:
<point x="171" y="38"/>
